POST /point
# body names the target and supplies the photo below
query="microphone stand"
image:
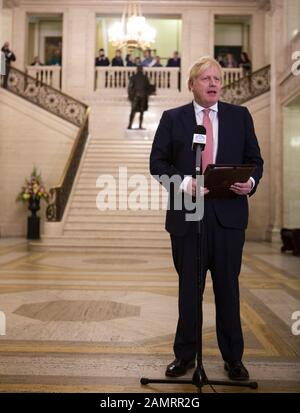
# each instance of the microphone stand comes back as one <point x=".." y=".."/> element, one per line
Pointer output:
<point x="200" y="378"/>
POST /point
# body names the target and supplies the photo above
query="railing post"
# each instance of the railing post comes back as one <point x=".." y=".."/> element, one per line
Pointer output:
<point x="56" y="77"/>
<point x="100" y="83"/>
<point x="174" y="79"/>
<point x="50" y="75"/>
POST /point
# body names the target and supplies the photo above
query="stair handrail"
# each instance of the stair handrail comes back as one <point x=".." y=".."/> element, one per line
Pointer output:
<point x="46" y="96"/>
<point x="248" y="87"/>
<point x="59" y="194"/>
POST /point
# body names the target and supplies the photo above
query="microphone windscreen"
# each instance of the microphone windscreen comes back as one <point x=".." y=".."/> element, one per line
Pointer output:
<point x="199" y="137"/>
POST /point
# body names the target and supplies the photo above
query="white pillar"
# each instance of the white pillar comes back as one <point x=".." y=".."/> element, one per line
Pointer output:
<point x="19" y="37"/>
<point x="5" y="24"/>
<point x="197" y="39"/>
<point x="258" y="40"/>
<point x="276" y="126"/>
<point x="78" y="51"/>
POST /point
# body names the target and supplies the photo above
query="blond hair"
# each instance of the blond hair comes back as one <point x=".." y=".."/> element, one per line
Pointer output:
<point x="199" y="66"/>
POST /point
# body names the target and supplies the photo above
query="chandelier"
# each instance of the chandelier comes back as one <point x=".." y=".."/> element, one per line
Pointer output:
<point x="132" y="31"/>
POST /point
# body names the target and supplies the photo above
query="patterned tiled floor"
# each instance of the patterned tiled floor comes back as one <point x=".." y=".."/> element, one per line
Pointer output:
<point x="97" y="322"/>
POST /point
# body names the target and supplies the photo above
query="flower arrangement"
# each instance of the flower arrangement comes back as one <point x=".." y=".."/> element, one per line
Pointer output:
<point x="33" y="188"/>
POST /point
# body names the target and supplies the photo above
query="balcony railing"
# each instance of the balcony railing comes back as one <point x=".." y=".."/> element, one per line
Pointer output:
<point x="114" y="77"/>
<point x="231" y="75"/>
<point x="50" y="75"/>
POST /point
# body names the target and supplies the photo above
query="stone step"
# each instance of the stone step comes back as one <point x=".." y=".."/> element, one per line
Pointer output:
<point x="109" y="163"/>
<point x="117" y="234"/>
<point x="98" y="145"/>
<point x="113" y="226"/>
<point x="116" y="149"/>
<point x="97" y="138"/>
<point x="116" y="157"/>
<point x="115" y="167"/>
<point x="116" y="207"/>
<point x="118" y="219"/>
<point x="120" y="144"/>
<point x="89" y="184"/>
<point x="124" y="151"/>
<point x="119" y="203"/>
<point x="121" y="190"/>
<point x="91" y="211"/>
<point x="91" y="176"/>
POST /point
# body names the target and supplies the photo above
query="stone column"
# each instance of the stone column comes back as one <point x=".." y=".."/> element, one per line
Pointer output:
<point x="197" y="39"/>
<point x="276" y="126"/>
<point x="19" y="37"/>
<point x="257" y="43"/>
<point x="5" y="24"/>
<point x="78" y="51"/>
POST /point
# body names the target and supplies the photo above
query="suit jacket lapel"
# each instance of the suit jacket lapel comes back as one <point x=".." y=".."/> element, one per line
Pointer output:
<point x="189" y="122"/>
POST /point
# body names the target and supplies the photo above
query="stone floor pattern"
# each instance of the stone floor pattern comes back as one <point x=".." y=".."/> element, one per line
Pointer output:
<point x="98" y="322"/>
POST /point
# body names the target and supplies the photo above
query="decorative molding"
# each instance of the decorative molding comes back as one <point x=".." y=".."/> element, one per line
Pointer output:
<point x="256" y="4"/>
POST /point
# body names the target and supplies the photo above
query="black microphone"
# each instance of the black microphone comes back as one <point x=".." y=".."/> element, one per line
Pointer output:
<point x="199" y="137"/>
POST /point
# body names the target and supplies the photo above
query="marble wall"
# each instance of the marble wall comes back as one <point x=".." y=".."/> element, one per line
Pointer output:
<point x="259" y="215"/>
<point x="5" y="24"/>
<point x="291" y="166"/>
<point x="29" y="137"/>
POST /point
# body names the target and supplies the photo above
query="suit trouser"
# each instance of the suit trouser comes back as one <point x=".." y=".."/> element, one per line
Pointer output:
<point x="222" y="256"/>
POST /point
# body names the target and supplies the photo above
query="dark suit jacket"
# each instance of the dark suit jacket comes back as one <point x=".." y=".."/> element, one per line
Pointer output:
<point x="174" y="63"/>
<point x="104" y="61"/>
<point x="172" y="154"/>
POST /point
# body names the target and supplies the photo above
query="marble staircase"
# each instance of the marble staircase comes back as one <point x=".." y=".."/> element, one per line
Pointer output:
<point x="111" y="146"/>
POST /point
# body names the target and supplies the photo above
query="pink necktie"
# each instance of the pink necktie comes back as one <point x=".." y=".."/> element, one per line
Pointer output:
<point x="208" y="153"/>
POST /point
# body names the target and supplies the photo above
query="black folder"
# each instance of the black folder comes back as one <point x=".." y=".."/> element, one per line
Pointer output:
<point x="218" y="178"/>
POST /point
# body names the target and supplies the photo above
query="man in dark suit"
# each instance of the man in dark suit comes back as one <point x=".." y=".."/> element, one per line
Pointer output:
<point x="138" y="94"/>
<point x="174" y="61"/>
<point x="101" y="60"/>
<point x="117" y="60"/>
<point x="230" y="140"/>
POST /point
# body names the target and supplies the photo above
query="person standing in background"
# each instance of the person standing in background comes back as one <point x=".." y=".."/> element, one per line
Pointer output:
<point x="138" y="93"/>
<point x="101" y="60"/>
<point x="117" y="60"/>
<point x="9" y="57"/>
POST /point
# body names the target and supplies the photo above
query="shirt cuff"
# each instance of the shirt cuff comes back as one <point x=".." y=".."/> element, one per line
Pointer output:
<point x="253" y="182"/>
<point x="184" y="184"/>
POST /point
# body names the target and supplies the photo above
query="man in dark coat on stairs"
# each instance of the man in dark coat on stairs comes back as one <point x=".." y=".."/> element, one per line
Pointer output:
<point x="138" y="93"/>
